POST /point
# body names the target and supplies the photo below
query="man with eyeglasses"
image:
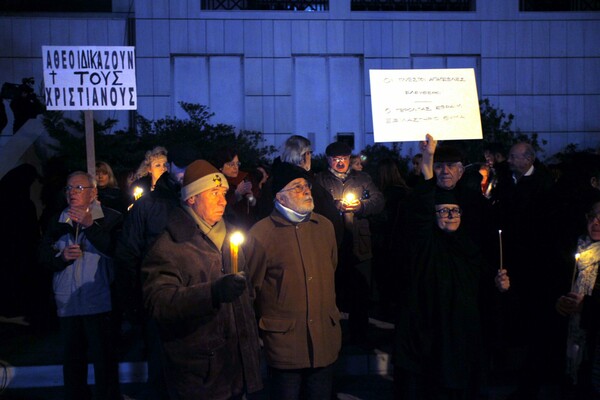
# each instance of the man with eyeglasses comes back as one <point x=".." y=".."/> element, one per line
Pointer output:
<point x="438" y="329"/>
<point x="77" y="246"/>
<point x="293" y="257"/>
<point x="297" y="151"/>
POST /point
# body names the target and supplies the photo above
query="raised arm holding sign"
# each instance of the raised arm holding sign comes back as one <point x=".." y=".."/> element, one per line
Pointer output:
<point x="407" y="104"/>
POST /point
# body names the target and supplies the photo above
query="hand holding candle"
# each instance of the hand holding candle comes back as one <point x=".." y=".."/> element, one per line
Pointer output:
<point x="235" y="240"/>
<point x="350" y="202"/>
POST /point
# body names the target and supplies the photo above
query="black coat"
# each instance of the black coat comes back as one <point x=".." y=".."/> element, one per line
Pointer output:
<point x="146" y="220"/>
<point x="438" y="326"/>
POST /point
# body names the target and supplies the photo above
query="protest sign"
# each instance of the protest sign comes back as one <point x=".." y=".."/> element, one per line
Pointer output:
<point x="408" y="104"/>
<point x="89" y="77"/>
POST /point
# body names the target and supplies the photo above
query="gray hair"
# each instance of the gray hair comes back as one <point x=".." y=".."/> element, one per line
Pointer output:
<point x="294" y="150"/>
<point x="91" y="179"/>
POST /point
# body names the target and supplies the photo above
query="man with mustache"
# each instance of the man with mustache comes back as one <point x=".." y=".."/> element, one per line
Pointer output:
<point x="357" y="198"/>
<point x="202" y="308"/>
<point x="293" y="256"/>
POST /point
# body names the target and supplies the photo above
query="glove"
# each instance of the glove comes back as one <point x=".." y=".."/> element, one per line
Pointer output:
<point x="228" y="288"/>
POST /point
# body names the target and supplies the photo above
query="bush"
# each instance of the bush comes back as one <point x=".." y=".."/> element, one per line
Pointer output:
<point x="185" y="139"/>
<point x="497" y="128"/>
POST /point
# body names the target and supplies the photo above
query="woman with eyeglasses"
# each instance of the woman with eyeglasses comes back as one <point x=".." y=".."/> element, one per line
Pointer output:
<point x="438" y="329"/>
<point x="582" y="306"/>
<point x="241" y="197"/>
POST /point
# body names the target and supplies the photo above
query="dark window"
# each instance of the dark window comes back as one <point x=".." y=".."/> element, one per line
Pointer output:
<point x="56" y="5"/>
<point x="276" y="5"/>
<point x="413" y="5"/>
<point x="559" y="5"/>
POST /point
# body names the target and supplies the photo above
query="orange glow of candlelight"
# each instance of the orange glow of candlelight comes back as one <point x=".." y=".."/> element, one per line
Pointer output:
<point x="235" y="240"/>
<point x="349" y="198"/>
<point x="577" y="255"/>
<point x="137" y="192"/>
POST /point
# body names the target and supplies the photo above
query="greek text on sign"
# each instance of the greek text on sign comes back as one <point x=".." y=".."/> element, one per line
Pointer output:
<point x="89" y="77"/>
<point x="408" y="104"/>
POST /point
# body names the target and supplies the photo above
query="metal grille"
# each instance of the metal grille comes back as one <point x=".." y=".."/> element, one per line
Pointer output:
<point x="559" y="5"/>
<point x="276" y="5"/>
<point x="413" y="5"/>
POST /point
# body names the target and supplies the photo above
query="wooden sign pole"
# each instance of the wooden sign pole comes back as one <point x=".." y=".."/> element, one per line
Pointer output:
<point x="89" y="142"/>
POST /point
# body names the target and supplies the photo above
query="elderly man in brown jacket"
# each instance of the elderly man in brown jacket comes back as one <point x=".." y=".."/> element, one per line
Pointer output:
<point x="203" y="309"/>
<point x="292" y="263"/>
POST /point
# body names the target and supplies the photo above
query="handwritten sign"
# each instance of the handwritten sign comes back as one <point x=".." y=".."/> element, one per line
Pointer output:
<point x="89" y="78"/>
<point x="407" y="104"/>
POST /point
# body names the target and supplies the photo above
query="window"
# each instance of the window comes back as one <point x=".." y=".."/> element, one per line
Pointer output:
<point x="274" y="5"/>
<point x="413" y="5"/>
<point x="559" y="5"/>
<point x="56" y="6"/>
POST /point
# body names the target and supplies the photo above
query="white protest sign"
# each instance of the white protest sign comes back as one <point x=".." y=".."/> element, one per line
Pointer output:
<point x="408" y="104"/>
<point x="89" y="77"/>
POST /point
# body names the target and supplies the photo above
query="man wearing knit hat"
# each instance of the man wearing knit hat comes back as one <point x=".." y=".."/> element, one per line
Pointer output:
<point x="357" y="198"/>
<point x="448" y="167"/>
<point x="292" y="266"/>
<point x="204" y="312"/>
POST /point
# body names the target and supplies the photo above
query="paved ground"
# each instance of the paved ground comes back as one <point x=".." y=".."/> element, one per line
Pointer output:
<point x="32" y="367"/>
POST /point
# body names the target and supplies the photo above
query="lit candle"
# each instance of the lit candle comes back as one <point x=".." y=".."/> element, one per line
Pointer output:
<point x="137" y="192"/>
<point x="574" y="271"/>
<point x="350" y="199"/>
<point x="500" y="240"/>
<point x="235" y="240"/>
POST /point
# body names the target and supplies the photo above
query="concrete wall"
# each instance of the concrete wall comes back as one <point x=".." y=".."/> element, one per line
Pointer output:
<point x="307" y="72"/>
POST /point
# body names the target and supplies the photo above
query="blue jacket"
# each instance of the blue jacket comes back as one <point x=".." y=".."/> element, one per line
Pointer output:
<point x="82" y="287"/>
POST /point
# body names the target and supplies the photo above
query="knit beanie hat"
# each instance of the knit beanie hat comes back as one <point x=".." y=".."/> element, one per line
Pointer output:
<point x="443" y="196"/>
<point x="200" y="176"/>
<point x="448" y="154"/>
<point x="284" y="173"/>
<point x="338" y="149"/>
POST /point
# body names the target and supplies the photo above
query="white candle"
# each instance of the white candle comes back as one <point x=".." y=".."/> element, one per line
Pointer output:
<point x="577" y="255"/>
<point x="500" y="240"/>
<point x="235" y="240"/>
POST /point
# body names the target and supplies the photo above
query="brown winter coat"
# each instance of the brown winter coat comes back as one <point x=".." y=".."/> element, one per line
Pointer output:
<point x="211" y="351"/>
<point x="292" y="269"/>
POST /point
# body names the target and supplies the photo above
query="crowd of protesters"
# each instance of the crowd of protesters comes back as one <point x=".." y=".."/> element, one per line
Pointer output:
<point x="422" y="250"/>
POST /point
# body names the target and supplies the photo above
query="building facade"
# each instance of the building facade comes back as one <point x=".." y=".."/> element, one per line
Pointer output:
<point x="284" y="67"/>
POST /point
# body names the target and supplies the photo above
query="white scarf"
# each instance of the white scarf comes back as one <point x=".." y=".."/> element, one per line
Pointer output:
<point x="587" y="271"/>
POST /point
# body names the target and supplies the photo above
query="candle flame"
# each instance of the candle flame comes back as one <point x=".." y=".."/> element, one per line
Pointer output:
<point x="137" y="192"/>
<point x="577" y="255"/>
<point x="350" y="197"/>
<point x="499" y="230"/>
<point x="236" y="238"/>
